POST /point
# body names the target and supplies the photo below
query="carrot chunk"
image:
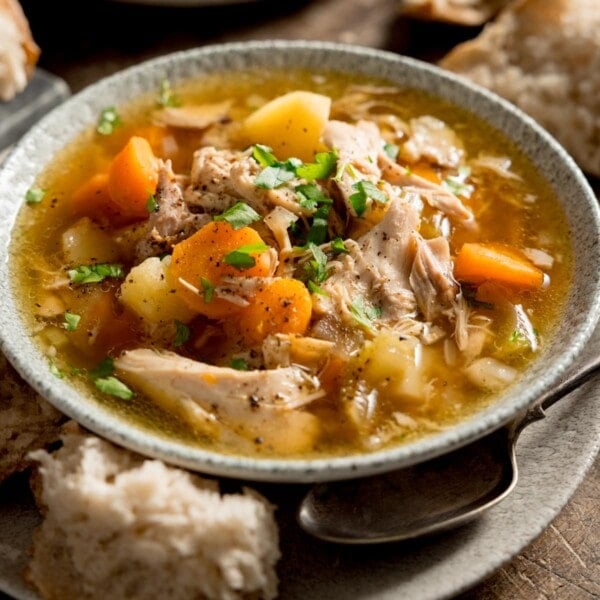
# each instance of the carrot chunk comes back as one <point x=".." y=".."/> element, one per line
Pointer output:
<point x="132" y="178"/>
<point x="92" y="199"/>
<point x="477" y="263"/>
<point x="201" y="262"/>
<point x="281" y="306"/>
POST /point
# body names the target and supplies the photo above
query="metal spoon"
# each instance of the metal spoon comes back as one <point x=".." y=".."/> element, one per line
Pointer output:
<point x="433" y="496"/>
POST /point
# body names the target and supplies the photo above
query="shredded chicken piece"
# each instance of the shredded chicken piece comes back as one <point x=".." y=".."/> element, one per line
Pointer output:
<point x="500" y="165"/>
<point x="490" y="374"/>
<point x="198" y="116"/>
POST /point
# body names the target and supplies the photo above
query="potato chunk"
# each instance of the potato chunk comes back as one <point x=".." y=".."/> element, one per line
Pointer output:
<point x="292" y="124"/>
<point x="84" y="243"/>
<point x="149" y="290"/>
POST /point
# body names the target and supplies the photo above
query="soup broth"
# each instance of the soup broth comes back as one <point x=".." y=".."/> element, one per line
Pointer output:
<point x="291" y="264"/>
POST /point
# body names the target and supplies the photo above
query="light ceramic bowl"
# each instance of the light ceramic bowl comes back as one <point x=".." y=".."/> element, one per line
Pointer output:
<point x="40" y="145"/>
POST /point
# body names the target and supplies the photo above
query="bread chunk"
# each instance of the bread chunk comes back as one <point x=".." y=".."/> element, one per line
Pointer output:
<point x="27" y="421"/>
<point x="458" y="12"/>
<point x="120" y="526"/>
<point x="544" y="55"/>
<point x="18" y="51"/>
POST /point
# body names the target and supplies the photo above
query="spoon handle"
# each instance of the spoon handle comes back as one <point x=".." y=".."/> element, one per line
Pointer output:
<point x="573" y="380"/>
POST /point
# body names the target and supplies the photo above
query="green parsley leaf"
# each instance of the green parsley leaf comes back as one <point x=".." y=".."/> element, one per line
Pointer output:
<point x="71" y="321"/>
<point x="151" y="204"/>
<point x="516" y="336"/>
<point x="274" y="177"/>
<point x="182" y="334"/>
<point x="323" y="167"/>
<point x="317" y="233"/>
<point x="54" y="369"/>
<point x="238" y="363"/>
<point x="363" y="313"/>
<point x="338" y="246"/>
<point x="364" y="190"/>
<point x="104" y="368"/>
<point x="310" y="196"/>
<point x="208" y="288"/>
<point x="167" y="96"/>
<point x="316" y="268"/>
<point x="113" y="387"/>
<point x="34" y="195"/>
<point x="108" y="121"/>
<point x="315" y="289"/>
<point x="263" y="155"/>
<point x="94" y="273"/>
<point x="457" y="183"/>
<point x="239" y="215"/>
<point x="241" y="257"/>
<point x="391" y="150"/>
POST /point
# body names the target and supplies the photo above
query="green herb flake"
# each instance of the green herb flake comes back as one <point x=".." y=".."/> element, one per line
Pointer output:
<point x="54" y="370"/>
<point x="239" y="215"/>
<point x="313" y="288"/>
<point x="364" y="190"/>
<point x="94" y="273"/>
<point x="391" y="150"/>
<point x="151" y="204"/>
<point x="241" y="257"/>
<point x="34" y="195"/>
<point x="317" y="233"/>
<point x="310" y="195"/>
<point x="263" y="155"/>
<point x="238" y="363"/>
<point x="108" y="121"/>
<point x="167" y="97"/>
<point x="274" y="177"/>
<point x="457" y="183"/>
<point x="338" y="246"/>
<point x="208" y="288"/>
<point x="323" y="167"/>
<point x="364" y="313"/>
<point x="71" y="321"/>
<point x="104" y="368"/>
<point x="516" y="337"/>
<point x="182" y="334"/>
<point x="113" y="387"/>
<point x="316" y="268"/>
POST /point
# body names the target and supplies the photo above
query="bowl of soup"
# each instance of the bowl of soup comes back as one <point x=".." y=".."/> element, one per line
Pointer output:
<point x="293" y="261"/>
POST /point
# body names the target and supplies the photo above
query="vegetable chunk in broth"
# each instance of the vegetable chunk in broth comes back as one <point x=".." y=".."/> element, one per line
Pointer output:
<point x="291" y="264"/>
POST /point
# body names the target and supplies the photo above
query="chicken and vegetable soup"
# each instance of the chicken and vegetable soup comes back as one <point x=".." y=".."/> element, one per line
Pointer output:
<point x="291" y="264"/>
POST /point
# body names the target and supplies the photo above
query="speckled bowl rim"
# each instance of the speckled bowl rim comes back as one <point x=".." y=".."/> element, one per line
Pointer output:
<point x="81" y="111"/>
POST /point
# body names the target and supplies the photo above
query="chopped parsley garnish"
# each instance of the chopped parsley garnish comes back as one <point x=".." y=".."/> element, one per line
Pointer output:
<point x="182" y="334"/>
<point x="208" y="288"/>
<point x="104" y="368"/>
<point x="363" y="313"/>
<point x="391" y="150"/>
<point x="238" y="363"/>
<point x="516" y="336"/>
<point x="108" y="121"/>
<point x="364" y="190"/>
<point x="113" y="387"/>
<point x="338" y="246"/>
<point x="274" y="177"/>
<point x="239" y="215"/>
<point x="317" y="233"/>
<point x="151" y="204"/>
<point x="310" y="196"/>
<point x="315" y="289"/>
<point x="263" y="155"/>
<point x="457" y="183"/>
<point x="316" y="268"/>
<point x="241" y="258"/>
<point x="54" y="369"/>
<point x="71" y="321"/>
<point x="94" y="273"/>
<point x="34" y="195"/>
<point x="167" y="96"/>
<point x="322" y="168"/>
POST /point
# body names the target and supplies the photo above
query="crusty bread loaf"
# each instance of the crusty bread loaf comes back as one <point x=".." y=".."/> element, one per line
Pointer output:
<point x="118" y="526"/>
<point x="459" y="12"/>
<point x="18" y="51"/>
<point x="544" y="55"/>
<point x="27" y="421"/>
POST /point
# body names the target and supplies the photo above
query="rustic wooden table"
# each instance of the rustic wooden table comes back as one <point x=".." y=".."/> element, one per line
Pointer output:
<point x="563" y="563"/>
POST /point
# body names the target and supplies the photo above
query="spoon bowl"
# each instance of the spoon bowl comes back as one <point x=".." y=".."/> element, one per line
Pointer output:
<point x="432" y="496"/>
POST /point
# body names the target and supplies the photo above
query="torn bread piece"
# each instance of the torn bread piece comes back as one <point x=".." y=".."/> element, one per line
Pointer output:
<point x="18" y="51"/>
<point x="458" y="12"/>
<point x="120" y="526"/>
<point x="544" y="55"/>
<point x="27" y="421"/>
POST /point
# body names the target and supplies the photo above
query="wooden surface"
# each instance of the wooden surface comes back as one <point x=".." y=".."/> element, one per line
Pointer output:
<point x="564" y="562"/>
